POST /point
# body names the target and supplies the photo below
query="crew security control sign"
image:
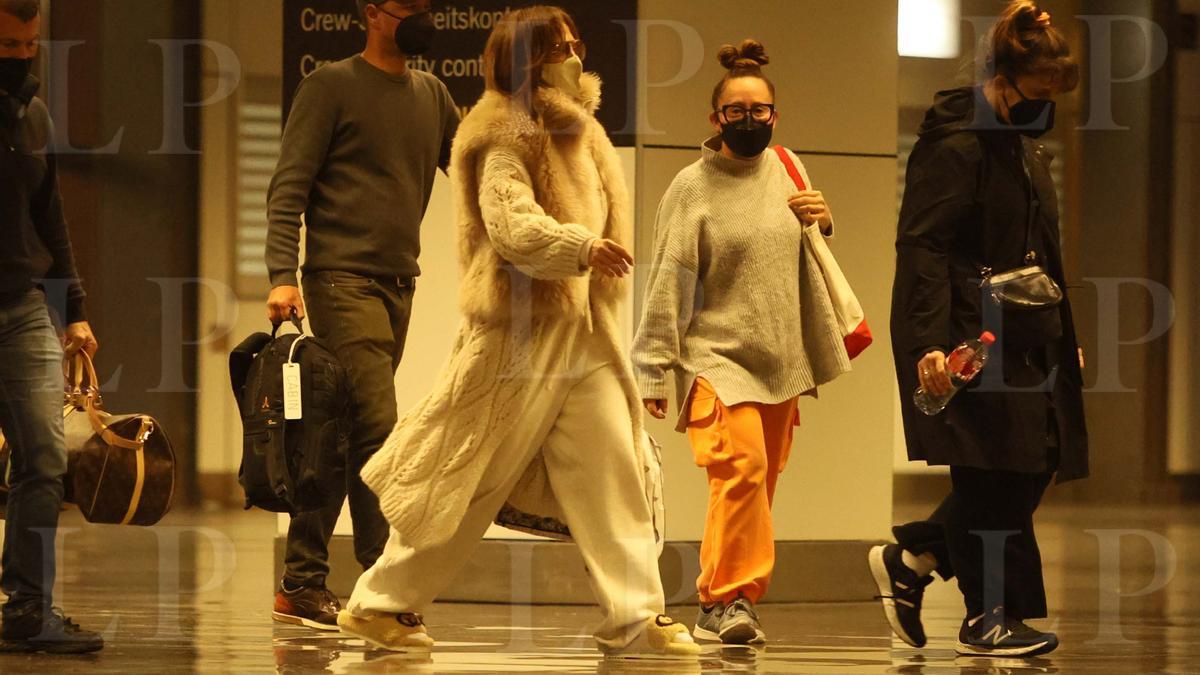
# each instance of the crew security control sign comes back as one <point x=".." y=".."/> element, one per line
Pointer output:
<point x="317" y="32"/>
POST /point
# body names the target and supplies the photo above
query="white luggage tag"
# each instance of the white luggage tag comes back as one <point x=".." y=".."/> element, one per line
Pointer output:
<point x="293" y="408"/>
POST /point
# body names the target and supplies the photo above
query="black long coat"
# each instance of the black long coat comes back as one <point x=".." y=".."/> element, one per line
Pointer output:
<point x="966" y="207"/>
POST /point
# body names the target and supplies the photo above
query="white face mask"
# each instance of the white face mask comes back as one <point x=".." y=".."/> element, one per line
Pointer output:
<point x="565" y="76"/>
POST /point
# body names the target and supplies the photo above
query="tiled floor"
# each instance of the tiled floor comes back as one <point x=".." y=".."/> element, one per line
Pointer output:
<point x="194" y="595"/>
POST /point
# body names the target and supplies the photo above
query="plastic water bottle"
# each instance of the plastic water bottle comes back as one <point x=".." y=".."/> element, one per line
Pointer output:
<point x="963" y="364"/>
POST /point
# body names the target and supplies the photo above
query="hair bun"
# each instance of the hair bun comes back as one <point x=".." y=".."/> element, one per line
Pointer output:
<point x="1028" y="16"/>
<point x="752" y="55"/>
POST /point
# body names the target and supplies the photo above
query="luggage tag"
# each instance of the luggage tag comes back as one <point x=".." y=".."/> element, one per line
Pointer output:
<point x="293" y="408"/>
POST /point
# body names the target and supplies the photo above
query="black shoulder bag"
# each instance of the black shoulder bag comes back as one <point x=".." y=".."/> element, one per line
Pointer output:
<point x="1027" y="298"/>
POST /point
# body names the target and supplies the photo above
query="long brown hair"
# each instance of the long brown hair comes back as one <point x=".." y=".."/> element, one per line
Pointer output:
<point x="744" y="61"/>
<point x="1023" y="42"/>
<point x="518" y="47"/>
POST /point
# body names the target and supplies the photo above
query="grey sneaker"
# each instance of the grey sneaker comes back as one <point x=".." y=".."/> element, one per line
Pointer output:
<point x="740" y="625"/>
<point x="708" y="623"/>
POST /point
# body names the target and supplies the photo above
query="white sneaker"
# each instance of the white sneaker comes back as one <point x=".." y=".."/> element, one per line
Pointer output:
<point x="662" y="638"/>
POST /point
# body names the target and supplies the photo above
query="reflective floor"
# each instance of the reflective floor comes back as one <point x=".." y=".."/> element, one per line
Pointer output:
<point x="194" y="595"/>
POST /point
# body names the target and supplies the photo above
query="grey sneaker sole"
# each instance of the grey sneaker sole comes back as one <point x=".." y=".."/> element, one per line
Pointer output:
<point x="301" y="621"/>
<point x="883" y="582"/>
<point x="705" y="634"/>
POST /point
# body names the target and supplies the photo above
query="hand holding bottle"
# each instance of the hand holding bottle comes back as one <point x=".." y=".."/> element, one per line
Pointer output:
<point x="942" y="377"/>
<point x="931" y="373"/>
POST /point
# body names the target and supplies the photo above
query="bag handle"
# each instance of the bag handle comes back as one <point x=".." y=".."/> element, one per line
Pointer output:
<point x="296" y="321"/>
<point x="80" y="373"/>
<point x="85" y="394"/>
<point x="794" y="172"/>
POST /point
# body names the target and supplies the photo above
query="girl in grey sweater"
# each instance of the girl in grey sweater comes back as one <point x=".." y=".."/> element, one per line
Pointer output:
<point x="724" y="308"/>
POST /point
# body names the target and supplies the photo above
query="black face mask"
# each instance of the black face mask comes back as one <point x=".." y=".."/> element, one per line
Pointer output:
<point x="747" y="138"/>
<point x="13" y="73"/>
<point x="1032" y="116"/>
<point x="414" y="35"/>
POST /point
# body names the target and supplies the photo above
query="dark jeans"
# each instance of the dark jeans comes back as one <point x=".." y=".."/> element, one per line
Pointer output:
<point x="985" y="513"/>
<point x="31" y="400"/>
<point x="365" y="322"/>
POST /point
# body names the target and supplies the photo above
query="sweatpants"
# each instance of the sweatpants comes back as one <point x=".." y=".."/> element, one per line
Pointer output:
<point x="743" y="448"/>
<point x="986" y="513"/>
<point x="576" y="416"/>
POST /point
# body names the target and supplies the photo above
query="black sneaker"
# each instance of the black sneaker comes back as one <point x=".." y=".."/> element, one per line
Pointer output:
<point x="708" y="623"/>
<point x="314" y="608"/>
<point x="30" y="631"/>
<point x="740" y="625"/>
<point x="993" y="634"/>
<point x="900" y="591"/>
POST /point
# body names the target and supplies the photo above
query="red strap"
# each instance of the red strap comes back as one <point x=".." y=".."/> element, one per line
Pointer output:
<point x="791" y="167"/>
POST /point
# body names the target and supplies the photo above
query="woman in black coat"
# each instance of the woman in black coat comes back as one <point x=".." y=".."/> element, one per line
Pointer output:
<point x="980" y="199"/>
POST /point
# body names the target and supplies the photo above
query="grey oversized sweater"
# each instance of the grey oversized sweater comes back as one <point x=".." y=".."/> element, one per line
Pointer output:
<point x="724" y="298"/>
<point x="360" y="152"/>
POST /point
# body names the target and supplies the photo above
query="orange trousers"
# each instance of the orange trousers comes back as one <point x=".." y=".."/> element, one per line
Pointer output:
<point x="744" y="448"/>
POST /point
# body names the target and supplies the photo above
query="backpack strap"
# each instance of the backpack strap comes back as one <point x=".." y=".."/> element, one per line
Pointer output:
<point x="792" y="170"/>
<point x="240" y="360"/>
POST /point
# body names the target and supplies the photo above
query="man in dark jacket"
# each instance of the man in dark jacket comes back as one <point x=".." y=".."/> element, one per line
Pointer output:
<point x="36" y="263"/>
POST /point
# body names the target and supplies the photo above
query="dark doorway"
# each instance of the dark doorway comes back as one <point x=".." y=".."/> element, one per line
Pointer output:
<point x="130" y="177"/>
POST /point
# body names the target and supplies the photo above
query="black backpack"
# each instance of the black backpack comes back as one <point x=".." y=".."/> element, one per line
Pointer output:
<point x="291" y="466"/>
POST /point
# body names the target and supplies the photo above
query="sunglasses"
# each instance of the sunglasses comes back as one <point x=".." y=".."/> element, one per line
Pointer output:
<point x="561" y="51"/>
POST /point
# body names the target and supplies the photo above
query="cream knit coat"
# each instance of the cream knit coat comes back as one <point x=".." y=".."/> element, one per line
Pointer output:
<point x="430" y="466"/>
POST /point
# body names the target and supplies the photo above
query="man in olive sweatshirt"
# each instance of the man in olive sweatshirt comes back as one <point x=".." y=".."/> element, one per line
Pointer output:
<point x="362" y="145"/>
<point x="37" y="271"/>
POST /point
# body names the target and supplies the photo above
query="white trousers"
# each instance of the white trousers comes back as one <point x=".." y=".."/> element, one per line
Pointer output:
<point x="575" y="411"/>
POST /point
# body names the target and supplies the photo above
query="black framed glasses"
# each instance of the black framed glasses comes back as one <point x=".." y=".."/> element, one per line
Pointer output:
<point x="759" y="112"/>
<point x="561" y="51"/>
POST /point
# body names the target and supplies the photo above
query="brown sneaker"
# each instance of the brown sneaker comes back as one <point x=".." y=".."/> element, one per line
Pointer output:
<point x="312" y="607"/>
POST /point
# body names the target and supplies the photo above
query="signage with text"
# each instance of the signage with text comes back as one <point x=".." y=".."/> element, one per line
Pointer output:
<point x="318" y="32"/>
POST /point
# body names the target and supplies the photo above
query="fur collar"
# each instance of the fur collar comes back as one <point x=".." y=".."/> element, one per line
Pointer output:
<point x="498" y="117"/>
<point x="561" y="112"/>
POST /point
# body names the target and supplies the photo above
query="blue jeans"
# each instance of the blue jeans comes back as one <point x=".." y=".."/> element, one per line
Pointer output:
<point x="31" y="400"/>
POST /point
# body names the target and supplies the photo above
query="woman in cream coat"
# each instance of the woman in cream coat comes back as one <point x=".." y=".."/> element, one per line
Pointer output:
<point x="535" y="421"/>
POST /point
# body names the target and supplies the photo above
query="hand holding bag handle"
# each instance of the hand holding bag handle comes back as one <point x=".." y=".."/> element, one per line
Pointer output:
<point x="851" y="318"/>
<point x="85" y="395"/>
